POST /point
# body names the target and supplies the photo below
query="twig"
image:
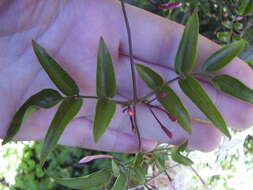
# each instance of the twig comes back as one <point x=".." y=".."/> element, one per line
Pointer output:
<point x="131" y="57"/>
<point x="200" y="178"/>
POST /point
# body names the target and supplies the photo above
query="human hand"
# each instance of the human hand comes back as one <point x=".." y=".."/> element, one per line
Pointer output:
<point x="70" y="32"/>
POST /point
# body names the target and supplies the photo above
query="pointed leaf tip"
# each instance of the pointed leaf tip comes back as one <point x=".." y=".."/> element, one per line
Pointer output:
<point x="233" y="87"/>
<point x="56" y="73"/>
<point x="96" y="180"/>
<point x="224" y="56"/>
<point x="68" y="109"/>
<point x="187" y="51"/>
<point x="150" y="77"/>
<point x="105" y="76"/>
<point x="199" y="97"/>
<point x="45" y="99"/>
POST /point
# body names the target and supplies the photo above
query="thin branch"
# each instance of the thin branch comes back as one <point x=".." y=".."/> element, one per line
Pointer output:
<point x="124" y="103"/>
<point x="200" y="178"/>
<point x="131" y="57"/>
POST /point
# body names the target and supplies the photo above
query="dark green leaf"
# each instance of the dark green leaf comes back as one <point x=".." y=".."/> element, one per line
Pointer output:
<point x="222" y="57"/>
<point x="233" y="87"/>
<point x="55" y="72"/>
<point x="248" y="35"/>
<point x="187" y="51"/>
<point x="175" y="107"/>
<point x="46" y="98"/>
<point x="104" y="113"/>
<point x="151" y="78"/>
<point x="94" y="180"/>
<point x="138" y="159"/>
<point x="246" y="7"/>
<point x="121" y="182"/>
<point x="68" y="109"/>
<point x="199" y="97"/>
<point x="106" y="83"/>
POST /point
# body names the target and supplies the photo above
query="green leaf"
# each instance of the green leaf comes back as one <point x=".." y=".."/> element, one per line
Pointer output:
<point x="175" y="107"/>
<point x="94" y="180"/>
<point x="187" y="51"/>
<point x="177" y="157"/>
<point x="228" y="24"/>
<point x="238" y="26"/>
<point x="248" y="34"/>
<point x="68" y="109"/>
<point x="224" y="36"/>
<point x="106" y="83"/>
<point x="46" y="98"/>
<point x="121" y="182"/>
<point x="246" y="7"/>
<point x="115" y="168"/>
<point x="137" y="174"/>
<point x="138" y="161"/>
<point x="199" y="97"/>
<point x="250" y="63"/>
<point x="160" y="160"/>
<point x="151" y="78"/>
<point x="233" y="87"/>
<point x="104" y="113"/>
<point x="55" y="72"/>
<point x="222" y="57"/>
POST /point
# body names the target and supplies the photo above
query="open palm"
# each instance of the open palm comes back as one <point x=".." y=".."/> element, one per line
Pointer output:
<point x="70" y="32"/>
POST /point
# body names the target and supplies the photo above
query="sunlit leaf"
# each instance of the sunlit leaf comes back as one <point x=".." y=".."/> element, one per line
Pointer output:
<point x="175" y="107"/>
<point x="56" y="73"/>
<point x="187" y="51"/>
<point x="238" y="26"/>
<point x="121" y="182"/>
<point x="250" y="63"/>
<point x="228" y="24"/>
<point x="222" y="57"/>
<point x="68" y="109"/>
<point x="233" y="87"/>
<point x="106" y="83"/>
<point x="224" y="36"/>
<point x="151" y="78"/>
<point x="115" y="168"/>
<point x="104" y="114"/>
<point x="46" y="98"/>
<point x="160" y="160"/>
<point x="199" y="97"/>
<point x="95" y="180"/>
<point x="178" y="157"/>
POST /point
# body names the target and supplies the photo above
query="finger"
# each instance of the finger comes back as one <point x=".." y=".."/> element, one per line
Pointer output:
<point x="156" y="40"/>
<point x="79" y="134"/>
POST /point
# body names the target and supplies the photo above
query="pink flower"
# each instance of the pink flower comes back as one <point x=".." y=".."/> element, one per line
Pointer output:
<point x="91" y="158"/>
<point x="168" y="5"/>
